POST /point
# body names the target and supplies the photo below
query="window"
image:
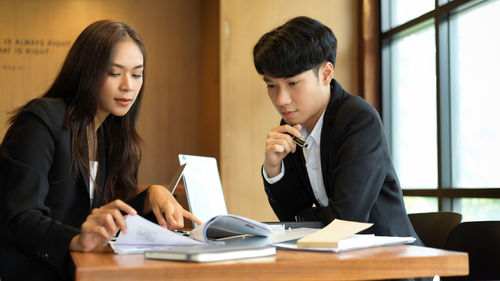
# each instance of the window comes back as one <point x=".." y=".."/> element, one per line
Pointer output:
<point x="413" y="130"/>
<point x="441" y="103"/>
<point x="475" y="96"/>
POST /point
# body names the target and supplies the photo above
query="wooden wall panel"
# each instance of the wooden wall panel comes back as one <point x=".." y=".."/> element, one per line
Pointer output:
<point x="210" y="79"/>
<point x="202" y="95"/>
<point x="169" y="121"/>
<point x="246" y="112"/>
<point x="369" y="53"/>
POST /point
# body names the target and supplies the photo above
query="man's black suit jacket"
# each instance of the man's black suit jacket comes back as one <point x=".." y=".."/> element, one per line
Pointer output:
<point x="358" y="174"/>
<point x="43" y="201"/>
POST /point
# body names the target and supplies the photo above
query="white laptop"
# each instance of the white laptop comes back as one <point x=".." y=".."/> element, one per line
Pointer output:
<point x="203" y="186"/>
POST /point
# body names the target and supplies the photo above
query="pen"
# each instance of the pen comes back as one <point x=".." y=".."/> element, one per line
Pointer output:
<point x="182" y="232"/>
<point x="298" y="141"/>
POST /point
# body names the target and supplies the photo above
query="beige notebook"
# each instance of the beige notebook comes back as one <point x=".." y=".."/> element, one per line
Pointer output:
<point x="330" y="235"/>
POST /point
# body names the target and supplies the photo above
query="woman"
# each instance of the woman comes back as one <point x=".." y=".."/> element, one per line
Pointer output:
<point x="69" y="161"/>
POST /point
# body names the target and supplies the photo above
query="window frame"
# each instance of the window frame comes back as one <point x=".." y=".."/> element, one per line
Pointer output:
<point x="445" y="193"/>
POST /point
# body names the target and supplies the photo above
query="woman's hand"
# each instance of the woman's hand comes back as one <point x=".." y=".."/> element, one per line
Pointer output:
<point x="102" y="224"/>
<point x="167" y="210"/>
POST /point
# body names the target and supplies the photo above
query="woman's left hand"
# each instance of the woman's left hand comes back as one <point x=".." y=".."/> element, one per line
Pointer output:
<point x="167" y="210"/>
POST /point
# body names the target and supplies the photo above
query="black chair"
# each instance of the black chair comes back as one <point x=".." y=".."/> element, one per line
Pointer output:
<point x="481" y="239"/>
<point x="433" y="228"/>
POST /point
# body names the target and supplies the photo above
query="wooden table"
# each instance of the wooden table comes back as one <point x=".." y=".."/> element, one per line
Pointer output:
<point x="401" y="261"/>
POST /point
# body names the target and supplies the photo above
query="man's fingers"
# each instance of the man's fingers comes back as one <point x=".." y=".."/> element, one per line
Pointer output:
<point x="287" y="129"/>
<point x="274" y="136"/>
<point x="280" y="145"/>
<point x="284" y="139"/>
<point x="280" y="138"/>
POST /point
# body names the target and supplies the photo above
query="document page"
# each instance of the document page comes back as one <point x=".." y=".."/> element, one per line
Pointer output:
<point x="229" y="225"/>
<point x="144" y="235"/>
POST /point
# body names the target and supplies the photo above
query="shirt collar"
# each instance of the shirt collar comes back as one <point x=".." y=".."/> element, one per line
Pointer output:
<point x="315" y="135"/>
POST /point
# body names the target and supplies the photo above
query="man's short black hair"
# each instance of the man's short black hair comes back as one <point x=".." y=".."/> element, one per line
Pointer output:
<point x="298" y="45"/>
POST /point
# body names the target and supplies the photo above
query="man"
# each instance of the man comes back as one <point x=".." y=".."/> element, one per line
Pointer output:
<point x="344" y="170"/>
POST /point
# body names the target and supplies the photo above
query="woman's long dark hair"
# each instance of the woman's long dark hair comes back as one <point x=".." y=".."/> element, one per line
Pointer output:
<point x="79" y="82"/>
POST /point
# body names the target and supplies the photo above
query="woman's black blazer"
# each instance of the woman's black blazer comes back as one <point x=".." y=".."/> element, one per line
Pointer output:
<point x="43" y="201"/>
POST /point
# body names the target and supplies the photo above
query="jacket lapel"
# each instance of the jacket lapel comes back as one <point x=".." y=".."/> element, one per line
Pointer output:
<point x="101" y="174"/>
<point x="336" y="98"/>
<point x="81" y="167"/>
<point x="85" y="179"/>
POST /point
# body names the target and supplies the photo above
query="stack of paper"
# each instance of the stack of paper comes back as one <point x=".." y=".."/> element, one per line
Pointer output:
<point x="340" y="235"/>
<point x="143" y="235"/>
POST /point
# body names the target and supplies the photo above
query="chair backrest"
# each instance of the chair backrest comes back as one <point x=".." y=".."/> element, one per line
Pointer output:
<point x="481" y="239"/>
<point x="433" y="228"/>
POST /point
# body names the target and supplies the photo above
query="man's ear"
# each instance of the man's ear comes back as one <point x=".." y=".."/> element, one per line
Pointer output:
<point x="326" y="73"/>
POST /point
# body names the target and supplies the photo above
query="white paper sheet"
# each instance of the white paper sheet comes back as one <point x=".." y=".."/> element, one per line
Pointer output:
<point x="143" y="235"/>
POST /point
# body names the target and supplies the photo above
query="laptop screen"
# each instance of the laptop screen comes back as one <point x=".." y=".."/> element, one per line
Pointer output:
<point x="203" y="186"/>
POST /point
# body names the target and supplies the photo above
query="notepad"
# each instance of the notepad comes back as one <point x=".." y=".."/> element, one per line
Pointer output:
<point x="332" y="234"/>
<point x="211" y="253"/>
<point x="340" y="235"/>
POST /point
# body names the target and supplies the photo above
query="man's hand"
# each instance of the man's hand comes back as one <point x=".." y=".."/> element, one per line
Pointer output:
<point x="278" y="144"/>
